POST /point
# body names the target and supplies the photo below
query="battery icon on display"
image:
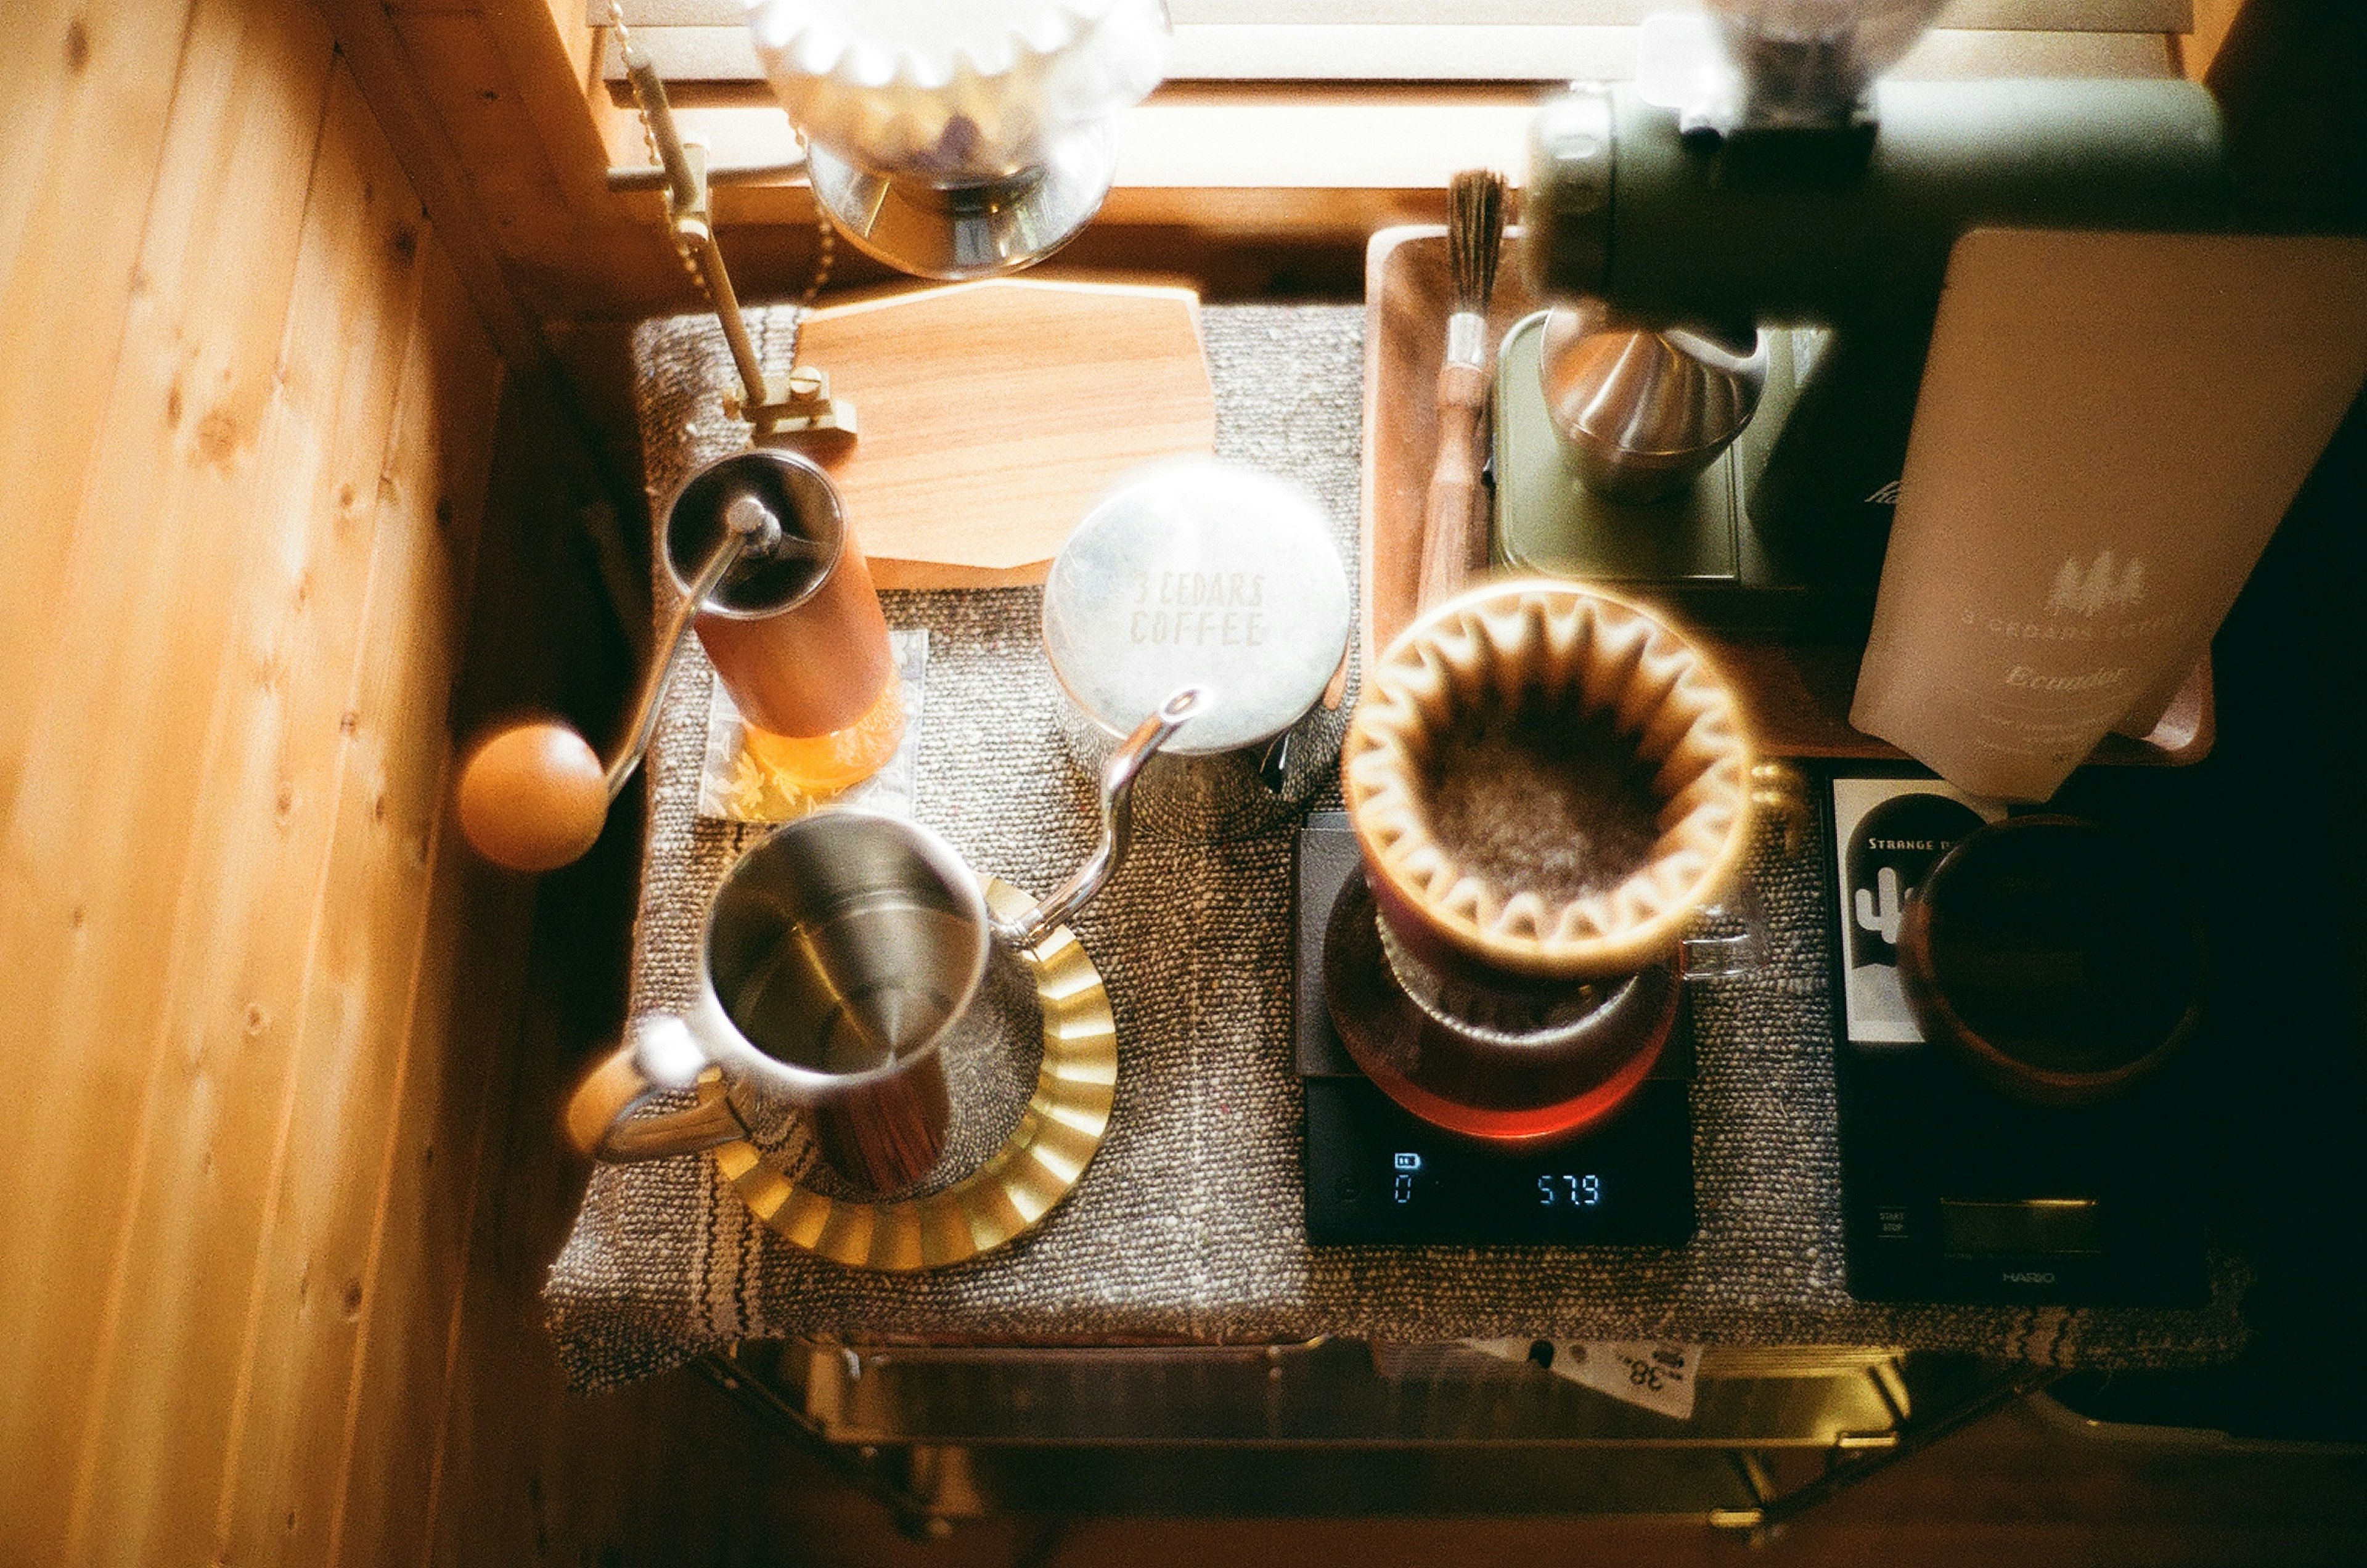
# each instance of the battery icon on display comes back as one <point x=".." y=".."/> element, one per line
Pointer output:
<point x="1409" y="1162"/>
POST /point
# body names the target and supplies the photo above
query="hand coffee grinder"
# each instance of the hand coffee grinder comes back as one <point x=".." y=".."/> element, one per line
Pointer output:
<point x="1758" y="175"/>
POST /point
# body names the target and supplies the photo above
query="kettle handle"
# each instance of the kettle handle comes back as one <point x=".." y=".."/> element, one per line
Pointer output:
<point x="599" y="1117"/>
<point x="1028" y="930"/>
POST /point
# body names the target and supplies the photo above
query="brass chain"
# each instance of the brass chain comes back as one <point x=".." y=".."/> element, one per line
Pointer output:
<point x="825" y="237"/>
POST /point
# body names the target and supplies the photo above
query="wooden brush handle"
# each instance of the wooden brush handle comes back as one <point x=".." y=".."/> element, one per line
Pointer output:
<point x="1453" y="536"/>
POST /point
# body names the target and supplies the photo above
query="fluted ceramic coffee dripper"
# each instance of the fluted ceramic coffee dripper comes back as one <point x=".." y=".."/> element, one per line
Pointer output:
<point x="1548" y="648"/>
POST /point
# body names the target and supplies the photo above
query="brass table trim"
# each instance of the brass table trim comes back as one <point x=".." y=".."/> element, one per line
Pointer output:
<point x="1038" y="1165"/>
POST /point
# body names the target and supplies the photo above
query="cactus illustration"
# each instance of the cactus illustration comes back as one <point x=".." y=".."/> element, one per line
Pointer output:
<point x="1885" y="918"/>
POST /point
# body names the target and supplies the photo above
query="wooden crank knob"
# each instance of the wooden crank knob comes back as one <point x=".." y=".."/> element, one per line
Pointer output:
<point x="533" y="796"/>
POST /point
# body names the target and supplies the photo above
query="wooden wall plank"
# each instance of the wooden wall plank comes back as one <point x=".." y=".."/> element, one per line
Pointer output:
<point x="265" y="810"/>
<point x="469" y="89"/>
<point x="366" y="34"/>
<point x="505" y="1401"/>
<point x="549" y="54"/>
<point x="350" y="326"/>
<point x="525" y="253"/>
<point x="103" y="814"/>
<point x="354" y="1042"/>
<point x="264" y="1009"/>
<point x="2200" y="45"/>
<point x="90" y="88"/>
<point x="447" y="1157"/>
<point x="551" y="244"/>
<point x="411" y="1279"/>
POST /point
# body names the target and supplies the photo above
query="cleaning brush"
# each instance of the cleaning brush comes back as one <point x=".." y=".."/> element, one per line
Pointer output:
<point x="1455" y="538"/>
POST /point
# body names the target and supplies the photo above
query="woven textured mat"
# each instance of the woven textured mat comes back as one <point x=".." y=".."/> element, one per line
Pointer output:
<point x="1188" y="1222"/>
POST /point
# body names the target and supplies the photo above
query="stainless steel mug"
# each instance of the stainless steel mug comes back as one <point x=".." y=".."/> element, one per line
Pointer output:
<point x="841" y="959"/>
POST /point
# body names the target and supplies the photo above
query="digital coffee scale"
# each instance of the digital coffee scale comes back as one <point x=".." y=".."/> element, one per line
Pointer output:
<point x="1952" y="1191"/>
<point x="1378" y="1174"/>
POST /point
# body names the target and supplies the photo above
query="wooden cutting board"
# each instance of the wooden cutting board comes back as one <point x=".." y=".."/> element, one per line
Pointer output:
<point x="992" y="415"/>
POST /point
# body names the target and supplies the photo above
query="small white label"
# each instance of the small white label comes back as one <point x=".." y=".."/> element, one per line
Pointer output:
<point x="1655" y="1374"/>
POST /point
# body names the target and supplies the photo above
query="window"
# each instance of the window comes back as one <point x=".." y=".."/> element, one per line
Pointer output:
<point x="1354" y="94"/>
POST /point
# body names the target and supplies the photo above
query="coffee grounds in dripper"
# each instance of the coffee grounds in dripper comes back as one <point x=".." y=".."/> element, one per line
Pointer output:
<point x="1542" y="800"/>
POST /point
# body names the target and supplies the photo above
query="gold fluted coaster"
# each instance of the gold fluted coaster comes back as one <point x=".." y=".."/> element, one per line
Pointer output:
<point x="1021" y="1182"/>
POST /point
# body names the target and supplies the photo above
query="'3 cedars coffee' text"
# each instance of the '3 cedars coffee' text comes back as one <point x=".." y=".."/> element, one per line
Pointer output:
<point x="1199" y="609"/>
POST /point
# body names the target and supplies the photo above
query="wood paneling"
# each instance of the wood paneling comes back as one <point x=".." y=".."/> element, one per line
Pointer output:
<point x="82" y="145"/>
<point x="486" y="104"/>
<point x="2200" y="44"/>
<point x="99" y="939"/>
<point x="264" y="1008"/>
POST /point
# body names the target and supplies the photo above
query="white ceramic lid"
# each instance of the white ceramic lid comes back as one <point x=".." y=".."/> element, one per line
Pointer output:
<point x="1202" y="573"/>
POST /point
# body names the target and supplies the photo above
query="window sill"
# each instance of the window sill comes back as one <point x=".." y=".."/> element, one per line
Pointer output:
<point x="1279" y="159"/>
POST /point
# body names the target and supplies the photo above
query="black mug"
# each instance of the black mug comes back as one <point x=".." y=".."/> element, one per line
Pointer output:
<point x="2061" y="960"/>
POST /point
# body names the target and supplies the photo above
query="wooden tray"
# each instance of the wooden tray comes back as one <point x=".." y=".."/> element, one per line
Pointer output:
<point x="1797" y="692"/>
<point x="994" y="414"/>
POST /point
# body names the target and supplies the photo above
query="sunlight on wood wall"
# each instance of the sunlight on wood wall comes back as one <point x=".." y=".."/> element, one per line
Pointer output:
<point x="245" y="421"/>
<point x="2198" y="47"/>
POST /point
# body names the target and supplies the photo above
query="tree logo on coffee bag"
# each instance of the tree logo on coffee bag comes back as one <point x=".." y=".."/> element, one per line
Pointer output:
<point x="2104" y="584"/>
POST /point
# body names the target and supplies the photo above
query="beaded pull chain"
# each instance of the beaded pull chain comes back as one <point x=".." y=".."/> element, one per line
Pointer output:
<point x="803" y="383"/>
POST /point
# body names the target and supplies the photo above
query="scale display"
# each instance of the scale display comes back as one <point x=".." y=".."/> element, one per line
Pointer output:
<point x="1377" y="1175"/>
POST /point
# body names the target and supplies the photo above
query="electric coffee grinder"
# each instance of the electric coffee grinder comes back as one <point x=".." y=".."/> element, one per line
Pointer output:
<point x="1759" y="175"/>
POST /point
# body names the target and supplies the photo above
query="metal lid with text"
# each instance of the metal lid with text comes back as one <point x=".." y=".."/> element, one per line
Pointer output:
<point x="1198" y="572"/>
